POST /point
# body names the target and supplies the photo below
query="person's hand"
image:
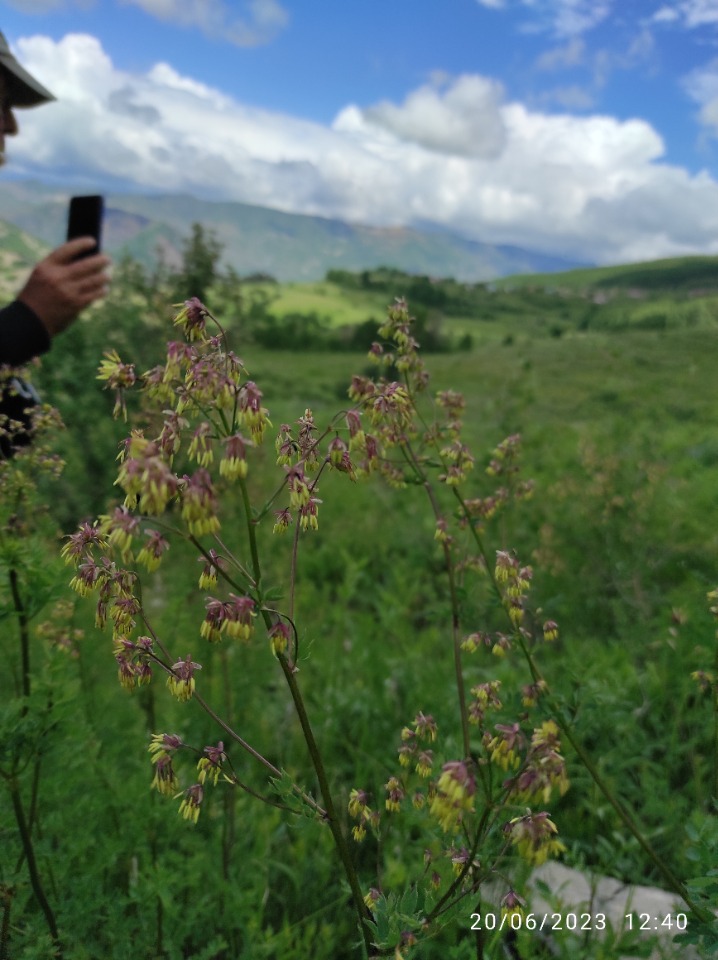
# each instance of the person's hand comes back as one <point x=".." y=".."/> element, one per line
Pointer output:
<point x="61" y="286"/>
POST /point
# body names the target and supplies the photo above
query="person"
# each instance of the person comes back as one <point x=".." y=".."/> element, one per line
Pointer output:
<point x="61" y="285"/>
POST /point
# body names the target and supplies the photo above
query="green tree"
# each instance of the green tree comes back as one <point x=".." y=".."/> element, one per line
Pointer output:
<point x="200" y="262"/>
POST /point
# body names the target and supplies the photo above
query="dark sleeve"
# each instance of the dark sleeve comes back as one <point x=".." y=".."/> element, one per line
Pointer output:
<point x="22" y="334"/>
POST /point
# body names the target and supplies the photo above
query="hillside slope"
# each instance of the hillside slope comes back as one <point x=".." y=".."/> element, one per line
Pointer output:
<point x="259" y="240"/>
<point x="687" y="276"/>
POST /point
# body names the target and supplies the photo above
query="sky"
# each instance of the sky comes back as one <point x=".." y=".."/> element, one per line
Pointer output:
<point x="586" y="129"/>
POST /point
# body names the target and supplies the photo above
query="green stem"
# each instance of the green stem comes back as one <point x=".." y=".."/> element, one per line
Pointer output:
<point x="331" y="816"/>
<point x="22" y="620"/>
<point x="457" y="882"/>
<point x="252" y="534"/>
<point x="235" y="736"/>
<point x="455" y="617"/>
<point x="35" y="881"/>
<point x="6" y="897"/>
<point x="328" y="801"/>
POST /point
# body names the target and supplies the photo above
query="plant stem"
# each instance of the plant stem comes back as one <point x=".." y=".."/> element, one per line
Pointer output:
<point x="35" y="881"/>
<point x="235" y="736"/>
<point x="22" y="620"/>
<point x="455" y="617"/>
<point x="327" y="799"/>
<point x="6" y="896"/>
<point x="252" y="533"/>
<point x="331" y="816"/>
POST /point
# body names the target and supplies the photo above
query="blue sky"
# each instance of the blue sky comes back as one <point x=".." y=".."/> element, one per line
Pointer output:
<point x="584" y="128"/>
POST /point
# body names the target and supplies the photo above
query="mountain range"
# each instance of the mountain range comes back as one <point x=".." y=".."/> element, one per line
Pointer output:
<point x="289" y="247"/>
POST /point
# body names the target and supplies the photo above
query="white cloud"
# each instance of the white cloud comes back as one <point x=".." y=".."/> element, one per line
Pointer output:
<point x="571" y="54"/>
<point x="566" y="18"/>
<point x="666" y="15"/>
<point x="259" y="22"/>
<point x="573" y="17"/>
<point x="690" y="13"/>
<point x="699" y="12"/>
<point x="702" y="86"/>
<point x="34" y="6"/>
<point x="571" y="97"/>
<point x="48" y="6"/>
<point x="591" y="187"/>
<point x="463" y="118"/>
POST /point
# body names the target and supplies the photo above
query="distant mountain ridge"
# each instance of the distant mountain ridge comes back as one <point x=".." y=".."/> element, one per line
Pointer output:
<point x="290" y="247"/>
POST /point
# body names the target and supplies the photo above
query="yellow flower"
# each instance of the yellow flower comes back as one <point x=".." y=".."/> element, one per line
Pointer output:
<point x="454" y="792"/>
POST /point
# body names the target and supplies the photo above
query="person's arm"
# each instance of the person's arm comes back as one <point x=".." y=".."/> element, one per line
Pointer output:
<point x="22" y="335"/>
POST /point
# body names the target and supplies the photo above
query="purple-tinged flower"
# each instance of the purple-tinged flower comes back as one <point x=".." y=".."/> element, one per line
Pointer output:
<point x="87" y="535"/>
<point x="191" y="802"/>
<point x="181" y="681"/>
<point x="239" y="616"/>
<point x="199" y="504"/>
<point x="283" y="520"/>
<point x="214" y="619"/>
<point x="210" y="766"/>
<point x="192" y="318"/>
<point x="279" y="634"/>
<point x="154" y="549"/>
<point x="211" y="566"/>
<point x="233" y="464"/>
<point x="164" y="743"/>
<point x="251" y="411"/>
<point x="200" y="448"/>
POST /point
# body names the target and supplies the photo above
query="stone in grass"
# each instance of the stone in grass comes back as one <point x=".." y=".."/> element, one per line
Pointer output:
<point x="642" y="909"/>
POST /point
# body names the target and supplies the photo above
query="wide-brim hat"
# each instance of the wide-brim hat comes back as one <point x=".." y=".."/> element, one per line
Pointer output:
<point x="23" y="89"/>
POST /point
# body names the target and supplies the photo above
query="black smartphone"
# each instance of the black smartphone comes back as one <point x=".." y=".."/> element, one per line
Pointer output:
<point x="84" y="219"/>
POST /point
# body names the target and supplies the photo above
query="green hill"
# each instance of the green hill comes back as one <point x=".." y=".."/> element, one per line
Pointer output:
<point x="681" y="275"/>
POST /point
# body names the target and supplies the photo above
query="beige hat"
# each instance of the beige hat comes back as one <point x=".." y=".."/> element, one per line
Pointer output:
<point x="23" y="89"/>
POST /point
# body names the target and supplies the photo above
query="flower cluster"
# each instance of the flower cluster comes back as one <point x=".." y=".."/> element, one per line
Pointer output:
<point x="535" y="837"/>
<point x="120" y="376"/>
<point x="485" y="698"/>
<point x="504" y="748"/>
<point x="412" y="752"/>
<point x="360" y="811"/>
<point x="210" y="765"/>
<point x="162" y="749"/>
<point x="191" y="802"/>
<point x="514" y="581"/>
<point x="454" y="795"/>
<point x="458" y="462"/>
<point x="544" y="769"/>
<point x="180" y="681"/>
<point x="233" y="617"/>
<point x="134" y="660"/>
<point x="416" y="758"/>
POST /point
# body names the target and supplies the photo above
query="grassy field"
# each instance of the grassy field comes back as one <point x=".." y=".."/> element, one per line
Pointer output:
<point x="619" y="434"/>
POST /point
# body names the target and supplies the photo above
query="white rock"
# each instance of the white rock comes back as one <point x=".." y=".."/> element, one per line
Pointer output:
<point x="590" y="894"/>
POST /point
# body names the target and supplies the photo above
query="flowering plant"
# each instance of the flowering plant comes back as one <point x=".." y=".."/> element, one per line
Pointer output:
<point x="475" y="794"/>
